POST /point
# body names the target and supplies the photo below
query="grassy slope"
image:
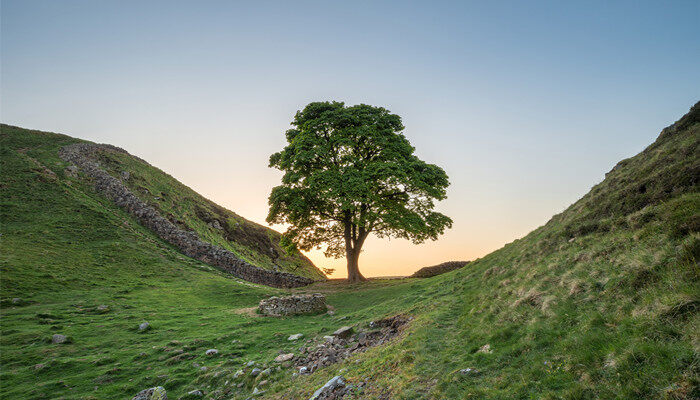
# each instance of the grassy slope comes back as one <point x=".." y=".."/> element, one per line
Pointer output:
<point x="64" y="250"/>
<point x="601" y="302"/>
<point x="252" y="242"/>
<point x="609" y="314"/>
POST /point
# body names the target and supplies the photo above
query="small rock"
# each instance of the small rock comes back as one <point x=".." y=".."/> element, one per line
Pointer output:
<point x="203" y="369"/>
<point x="17" y="301"/>
<point x="212" y="352"/>
<point x="250" y="363"/>
<point x="485" y="349"/>
<point x="303" y="370"/>
<point x="284" y="357"/>
<point x="154" y="393"/>
<point x="59" y="339"/>
<point x="296" y="336"/>
<point x="266" y="372"/>
<point x="328" y="338"/>
<point x="343" y="332"/>
<point x="238" y="374"/>
<point x="337" y="382"/>
<point x="102" y="308"/>
<point x="255" y="372"/>
<point x="257" y="391"/>
<point x="263" y="383"/>
<point x="39" y="366"/>
<point x="126" y="175"/>
<point x="196" y="392"/>
<point x="144" y="326"/>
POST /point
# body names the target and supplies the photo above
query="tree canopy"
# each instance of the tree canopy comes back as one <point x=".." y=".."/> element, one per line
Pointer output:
<point x="350" y="172"/>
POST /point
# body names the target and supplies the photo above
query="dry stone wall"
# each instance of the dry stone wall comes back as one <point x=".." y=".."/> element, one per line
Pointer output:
<point x="293" y="305"/>
<point x="82" y="155"/>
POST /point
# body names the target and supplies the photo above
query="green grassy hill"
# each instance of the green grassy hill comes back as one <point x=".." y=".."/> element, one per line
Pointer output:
<point x="600" y="302"/>
<point x="254" y="243"/>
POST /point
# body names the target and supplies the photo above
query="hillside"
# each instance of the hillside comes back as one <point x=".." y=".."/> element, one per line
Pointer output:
<point x="600" y="302"/>
<point x="180" y="205"/>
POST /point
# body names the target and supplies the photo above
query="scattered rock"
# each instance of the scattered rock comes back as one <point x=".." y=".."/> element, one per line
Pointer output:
<point x="293" y="305"/>
<point x="284" y="357"/>
<point x="250" y="363"/>
<point x="154" y="393"/>
<point x="212" y="352"/>
<point x="144" y="326"/>
<point x="257" y="391"/>
<point x="255" y="372"/>
<point x="196" y="392"/>
<point x="238" y="374"/>
<point x="344" y="332"/>
<point x="266" y="372"/>
<point x="485" y="349"/>
<point x="331" y="389"/>
<point x="334" y="348"/>
<point x="59" y="339"/>
<point x="296" y="336"/>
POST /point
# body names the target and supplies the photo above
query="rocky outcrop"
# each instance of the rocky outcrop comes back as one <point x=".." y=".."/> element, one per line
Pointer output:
<point x="82" y="155"/>
<point x="293" y="305"/>
<point x="427" y="272"/>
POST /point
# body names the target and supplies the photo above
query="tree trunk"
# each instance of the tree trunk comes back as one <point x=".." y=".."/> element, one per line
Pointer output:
<point x="354" y="274"/>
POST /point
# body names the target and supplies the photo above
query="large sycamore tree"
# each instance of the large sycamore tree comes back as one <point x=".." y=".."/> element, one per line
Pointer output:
<point x="350" y="172"/>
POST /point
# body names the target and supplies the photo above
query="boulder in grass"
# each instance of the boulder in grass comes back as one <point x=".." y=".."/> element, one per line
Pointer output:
<point x="144" y="326"/>
<point x="154" y="393"/>
<point x="296" y="336"/>
<point x="59" y="339"/>
<point x="343" y="332"/>
<point x="284" y="357"/>
<point x="331" y="387"/>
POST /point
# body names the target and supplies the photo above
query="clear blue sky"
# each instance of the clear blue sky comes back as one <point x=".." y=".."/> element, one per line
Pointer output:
<point x="525" y="104"/>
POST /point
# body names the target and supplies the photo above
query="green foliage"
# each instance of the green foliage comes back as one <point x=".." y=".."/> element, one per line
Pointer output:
<point x="349" y="172"/>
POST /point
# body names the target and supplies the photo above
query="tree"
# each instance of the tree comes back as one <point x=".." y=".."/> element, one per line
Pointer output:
<point x="349" y="172"/>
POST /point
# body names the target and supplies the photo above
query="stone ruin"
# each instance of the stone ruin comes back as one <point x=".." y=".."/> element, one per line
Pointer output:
<point x="293" y="305"/>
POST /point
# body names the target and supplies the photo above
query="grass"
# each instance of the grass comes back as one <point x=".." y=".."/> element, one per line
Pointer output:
<point x="599" y="303"/>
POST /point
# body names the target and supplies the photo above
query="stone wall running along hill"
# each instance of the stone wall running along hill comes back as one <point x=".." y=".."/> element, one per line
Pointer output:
<point x="82" y="156"/>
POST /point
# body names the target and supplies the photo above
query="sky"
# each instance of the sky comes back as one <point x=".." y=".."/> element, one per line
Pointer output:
<point x="525" y="104"/>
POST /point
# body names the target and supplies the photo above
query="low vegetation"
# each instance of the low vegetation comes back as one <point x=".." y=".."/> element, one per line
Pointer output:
<point x="600" y="302"/>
